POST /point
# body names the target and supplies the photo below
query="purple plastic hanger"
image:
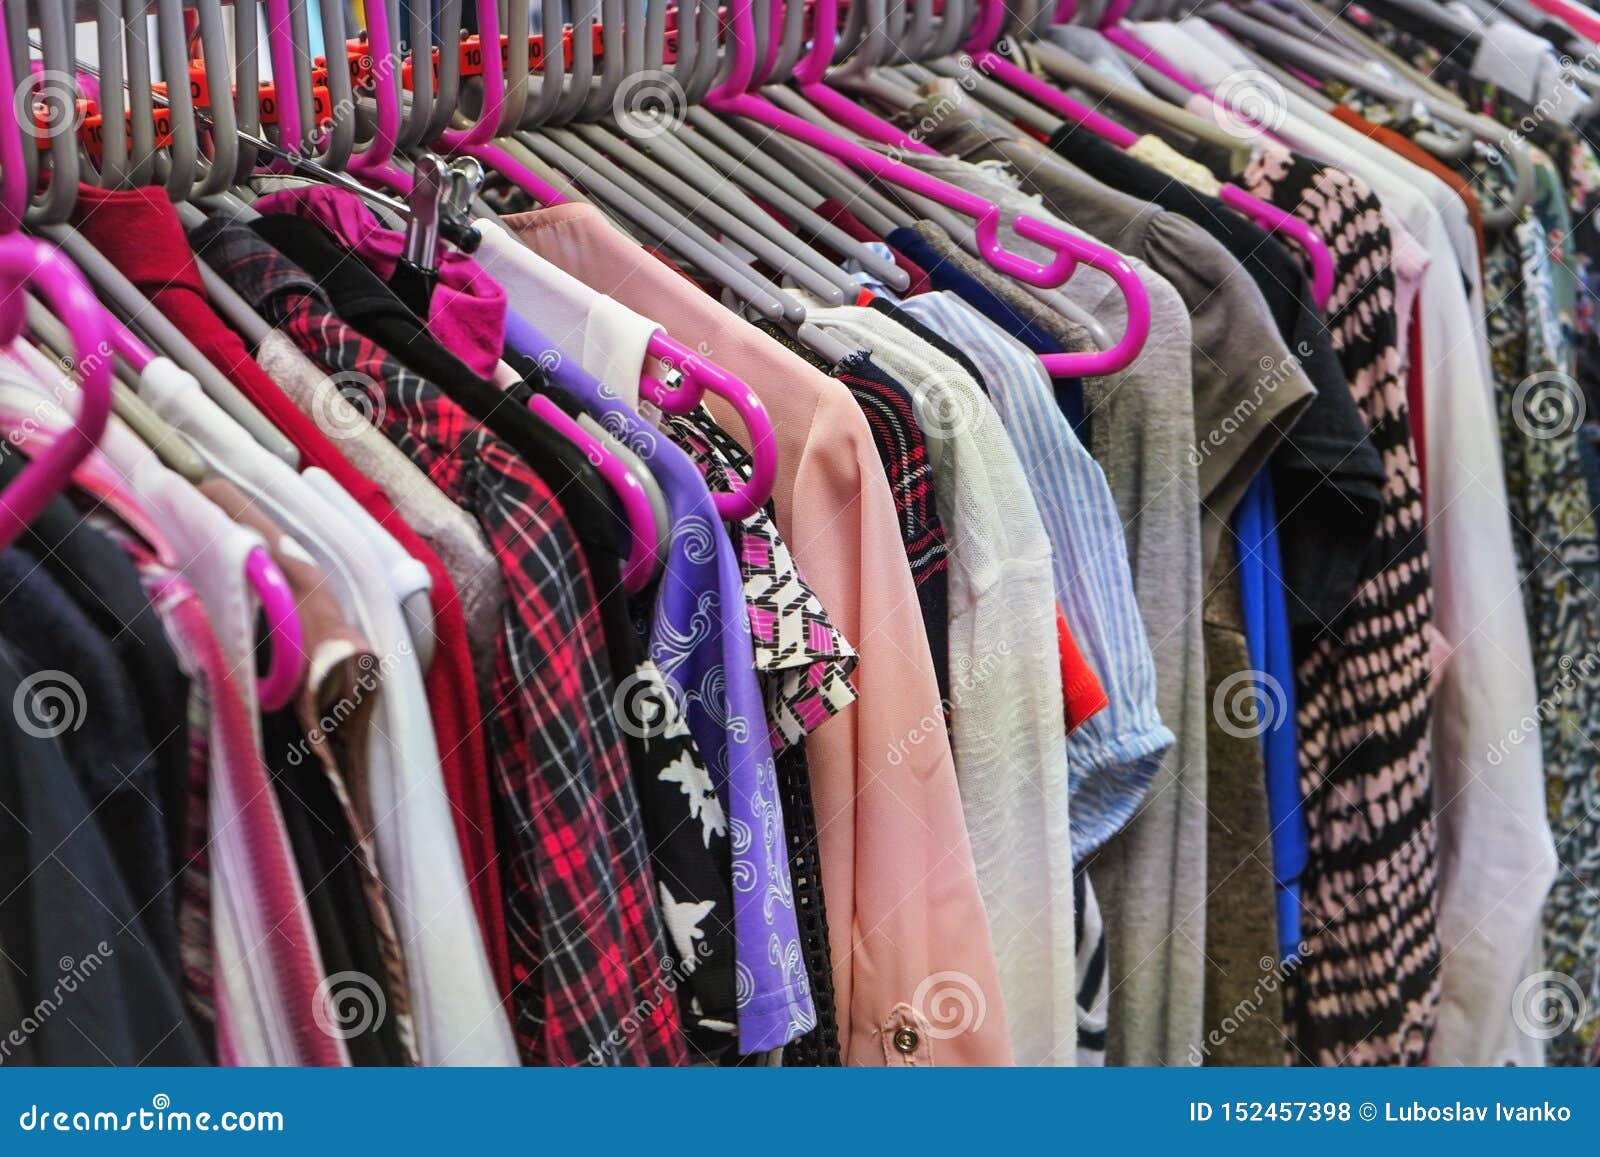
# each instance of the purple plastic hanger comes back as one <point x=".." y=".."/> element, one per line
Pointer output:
<point x="1268" y="216"/>
<point x="733" y="98"/>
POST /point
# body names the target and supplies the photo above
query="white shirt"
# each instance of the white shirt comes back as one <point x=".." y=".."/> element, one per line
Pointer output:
<point x="458" y="1016"/>
<point x="607" y="338"/>
<point x="1007" y="712"/>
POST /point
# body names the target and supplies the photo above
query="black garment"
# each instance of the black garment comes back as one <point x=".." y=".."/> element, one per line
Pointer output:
<point x="820" y="1046"/>
<point x="1327" y="475"/>
<point x="95" y="990"/>
<point x="104" y="584"/>
<point x="326" y="856"/>
<point x="87" y="701"/>
<point x="363" y="301"/>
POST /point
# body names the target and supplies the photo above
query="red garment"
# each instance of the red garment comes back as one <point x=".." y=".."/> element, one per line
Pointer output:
<point x="851" y="224"/>
<point x="138" y="230"/>
<point x="1080" y="686"/>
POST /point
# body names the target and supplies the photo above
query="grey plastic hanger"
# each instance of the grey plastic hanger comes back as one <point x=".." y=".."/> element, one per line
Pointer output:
<point x="419" y="107"/>
<point x="859" y="72"/>
<point x="448" y="91"/>
<point x="711" y="194"/>
<point x="763" y="154"/>
<point x="143" y="317"/>
<point x="791" y="43"/>
<point x="1321" y="16"/>
<point x="553" y="177"/>
<point x="1498" y="218"/>
<point x="949" y="32"/>
<point x="552" y="70"/>
<point x="707" y="65"/>
<point x="1068" y="69"/>
<point x="612" y="187"/>
<point x="147" y="165"/>
<point x="613" y="59"/>
<point x="1454" y="146"/>
<point x="801" y="217"/>
<point x="960" y="228"/>
<point x="576" y="93"/>
<point x="190" y="172"/>
<point x="138" y="311"/>
<point x="239" y="314"/>
<point x="174" y="451"/>
<point x="184" y="152"/>
<point x="788" y="53"/>
<point x="789" y="308"/>
<point x="713" y="198"/>
<point x="113" y="129"/>
<point x="874" y="209"/>
<point x="57" y="53"/>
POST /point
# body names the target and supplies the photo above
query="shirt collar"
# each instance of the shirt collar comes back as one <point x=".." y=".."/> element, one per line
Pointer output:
<point x="252" y="266"/>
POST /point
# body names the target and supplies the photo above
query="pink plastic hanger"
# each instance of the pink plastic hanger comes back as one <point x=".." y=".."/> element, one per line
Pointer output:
<point x="93" y="328"/>
<point x="286" y="86"/>
<point x="1110" y="27"/>
<point x="643" y="541"/>
<point x="373" y="162"/>
<point x="1268" y="216"/>
<point x="699" y="377"/>
<point x="733" y="97"/>
<point x="25" y="261"/>
<point x="811" y="70"/>
<point x="699" y="374"/>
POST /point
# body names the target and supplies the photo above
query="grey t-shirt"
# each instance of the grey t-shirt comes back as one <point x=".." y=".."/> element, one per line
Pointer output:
<point x="1150" y="877"/>
<point x="1248" y="387"/>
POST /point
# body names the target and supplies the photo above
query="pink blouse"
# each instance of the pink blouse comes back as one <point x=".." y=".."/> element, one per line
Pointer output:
<point x="914" y="969"/>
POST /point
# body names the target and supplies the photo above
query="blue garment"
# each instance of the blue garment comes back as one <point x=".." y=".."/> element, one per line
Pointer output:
<point x="949" y="276"/>
<point x="1113" y="756"/>
<point x="700" y="640"/>
<point x="1266" y="625"/>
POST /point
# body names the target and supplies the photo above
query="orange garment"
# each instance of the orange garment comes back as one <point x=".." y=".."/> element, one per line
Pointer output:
<point x="1404" y="146"/>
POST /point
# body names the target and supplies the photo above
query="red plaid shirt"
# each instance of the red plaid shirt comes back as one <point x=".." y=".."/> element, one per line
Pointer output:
<point x="585" y="934"/>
